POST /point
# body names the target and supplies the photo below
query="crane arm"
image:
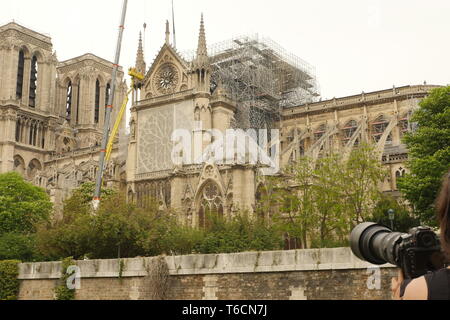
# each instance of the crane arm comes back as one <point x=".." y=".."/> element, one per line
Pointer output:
<point x="117" y="125"/>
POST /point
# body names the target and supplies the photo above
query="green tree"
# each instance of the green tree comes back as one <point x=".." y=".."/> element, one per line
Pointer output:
<point x="16" y="245"/>
<point x="82" y="233"/>
<point x="72" y="235"/>
<point x="318" y="202"/>
<point x="360" y="180"/>
<point x="330" y="217"/>
<point x="291" y="201"/>
<point x="22" y="207"/>
<point x="403" y="218"/>
<point x="22" y="204"/>
<point x="429" y="151"/>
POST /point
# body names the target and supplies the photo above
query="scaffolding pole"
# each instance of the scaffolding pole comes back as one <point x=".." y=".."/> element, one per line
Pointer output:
<point x="101" y="164"/>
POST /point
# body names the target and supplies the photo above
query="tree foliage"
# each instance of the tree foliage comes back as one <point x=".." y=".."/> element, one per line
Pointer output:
<point x="22" y="207"/>
<point x="62" y="292"/>
<point x="22" y="204"/>
<point x="118" y="225"/>
<point x="16" y="245"/>
<point x="320" y="201"/>
<point x="429" y="150"/>
<point x="9" y="284"/>
<point x="238" y="234"/>
<point x="404" y="220"/>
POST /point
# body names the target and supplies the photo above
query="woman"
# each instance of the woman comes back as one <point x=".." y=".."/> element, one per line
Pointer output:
<point x="433" y="286"/>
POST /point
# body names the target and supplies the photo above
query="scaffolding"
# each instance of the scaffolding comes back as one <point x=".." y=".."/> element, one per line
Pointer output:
<point x="261" y="77"/>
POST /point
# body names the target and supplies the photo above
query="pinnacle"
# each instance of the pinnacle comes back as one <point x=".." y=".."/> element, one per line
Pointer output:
<point x="167" y="32"/>
<point x="202" y="51"/>
<point x="140" y="61"/>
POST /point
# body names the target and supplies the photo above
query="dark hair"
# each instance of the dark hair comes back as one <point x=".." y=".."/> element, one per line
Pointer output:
<point x="443" y="213"/>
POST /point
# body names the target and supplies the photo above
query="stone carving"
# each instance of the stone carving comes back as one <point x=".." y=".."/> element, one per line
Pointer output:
<point x="166" y="79"/>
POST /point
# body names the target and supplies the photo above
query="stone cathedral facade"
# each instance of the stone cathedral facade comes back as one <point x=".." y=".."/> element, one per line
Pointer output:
<point x="52" y="116"/>
<point x="52" y="112"/>
<point x="179" y="94"/>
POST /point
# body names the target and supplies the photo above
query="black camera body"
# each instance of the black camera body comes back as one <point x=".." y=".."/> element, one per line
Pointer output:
<point x="416" y="252"/>
<point x="420" y="252"/>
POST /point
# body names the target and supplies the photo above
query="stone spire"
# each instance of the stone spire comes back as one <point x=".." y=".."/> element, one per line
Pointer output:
<point x="140" y="61"/>
<point x="201" y="59"/>
<point x="167" y="33"/>
<point x="201" y="65"/>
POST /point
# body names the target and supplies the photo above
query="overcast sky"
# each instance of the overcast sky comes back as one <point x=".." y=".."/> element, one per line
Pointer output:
<point x="355" y="45"/>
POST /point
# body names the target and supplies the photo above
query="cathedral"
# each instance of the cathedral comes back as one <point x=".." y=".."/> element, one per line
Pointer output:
<point x="52" y="116"/>
<point x="52" y="113"/>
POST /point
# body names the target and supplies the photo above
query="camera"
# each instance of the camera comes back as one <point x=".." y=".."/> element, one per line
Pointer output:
<point x="416" y="252"/>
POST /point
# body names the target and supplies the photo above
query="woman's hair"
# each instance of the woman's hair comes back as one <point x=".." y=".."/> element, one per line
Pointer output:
<point x="443" y="208"/>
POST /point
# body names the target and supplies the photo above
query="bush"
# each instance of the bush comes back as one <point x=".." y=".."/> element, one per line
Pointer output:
<point x="99" y="235"/>
<point x="9" y="284"/>
<point x="16" y="246"/>
<point x="172" y="238"/>
<point x="403" y="218"/>
<point x="147" y="232"/>
<point x="238" y="235"/>
<point x="62" y="292"/>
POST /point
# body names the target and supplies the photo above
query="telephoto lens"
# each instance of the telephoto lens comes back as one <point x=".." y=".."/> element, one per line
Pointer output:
<point x="375" y="243"/>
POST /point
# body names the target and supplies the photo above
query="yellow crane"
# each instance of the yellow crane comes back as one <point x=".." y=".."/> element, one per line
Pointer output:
<point x="136" y="77"/>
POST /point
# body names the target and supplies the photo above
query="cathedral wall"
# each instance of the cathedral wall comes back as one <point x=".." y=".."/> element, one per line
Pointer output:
<point x="37" y="138"/>
<point x="381" y="117"/>
<point x="154" y="132"/>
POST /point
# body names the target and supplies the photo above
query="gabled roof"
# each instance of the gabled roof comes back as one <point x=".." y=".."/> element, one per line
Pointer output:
<point x="17" y="27"/>
<point x="85" y="57"/>
<point x="164" y="48"/>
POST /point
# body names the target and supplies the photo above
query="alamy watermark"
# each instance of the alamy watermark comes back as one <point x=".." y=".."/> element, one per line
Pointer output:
<point x="235" y="146"/>
<point x="73" y="282"/>
<point x="374" y="279"/>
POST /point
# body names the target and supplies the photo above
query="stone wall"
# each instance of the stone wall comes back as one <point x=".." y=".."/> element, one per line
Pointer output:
<point x="333" y="274"/>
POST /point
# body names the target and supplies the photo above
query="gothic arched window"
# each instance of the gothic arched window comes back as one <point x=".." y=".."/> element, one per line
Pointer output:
<point x="78" y="102"/>
<point x="35" y="132"/>
<point x="69" y="101"/>
<point x="97" y="102"/>
<point x="30" y="133"/>
<point x="290" y="136"/>
<point x="18" y="129"/>
<point x="33" y="168"/>
<point x="20" y="69"/>
<point x="348" y="131"/>
<point x="399" y="174"/>
<point x="211" y="204"/>
<point x="107" y="93"/>
<point x="319" y="132"/>
<point x="403" y="124"/>
<point x="33" y="82"/>
<point x="378" y="128"/>
<point x="302" y="148"/>
<point x="19" y="165"/>
<point x="42" y="142"/>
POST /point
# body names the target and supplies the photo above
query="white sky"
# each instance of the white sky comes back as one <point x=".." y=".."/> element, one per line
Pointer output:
<point x="355" y="45"/>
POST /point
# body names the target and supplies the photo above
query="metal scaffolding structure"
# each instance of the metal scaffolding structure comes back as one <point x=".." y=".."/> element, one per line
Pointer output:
<point x="262" y="77"/>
